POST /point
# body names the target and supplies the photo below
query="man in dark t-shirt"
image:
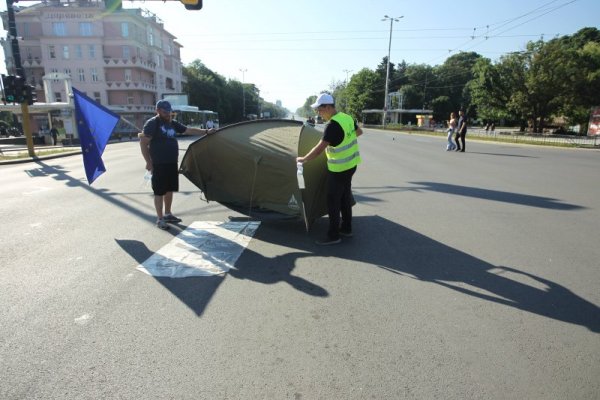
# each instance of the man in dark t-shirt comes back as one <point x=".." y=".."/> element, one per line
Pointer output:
<point x="461" y="131"/>
<point x="161" y="153"/>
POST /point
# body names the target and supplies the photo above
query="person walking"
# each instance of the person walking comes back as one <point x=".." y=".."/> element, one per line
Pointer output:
<point x="160" y="150"/>
<point x="54" y="134"/>
<point x="451" y="128"/>
<point x="461" y="131"/>
<point x="340" y="144"/>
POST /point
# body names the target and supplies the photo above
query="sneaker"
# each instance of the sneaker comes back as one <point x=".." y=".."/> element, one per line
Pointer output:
<point x="328" y="241"/>
<point x="171" y="218"/>
<point x="345" y="233"/>
<point x="161" y="224"/>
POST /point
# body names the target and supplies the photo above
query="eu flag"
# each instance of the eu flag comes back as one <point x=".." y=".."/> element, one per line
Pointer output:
<point x="95" y="124"/>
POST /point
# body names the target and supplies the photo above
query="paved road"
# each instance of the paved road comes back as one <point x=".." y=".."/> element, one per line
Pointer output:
<point x="471" y="276"/>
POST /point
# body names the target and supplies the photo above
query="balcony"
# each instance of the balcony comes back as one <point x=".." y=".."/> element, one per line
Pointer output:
<point x="134" y="108"/>
<point x="32" y="62"/>
<point x="130" y="62"/>
<point x="131" y="85"/>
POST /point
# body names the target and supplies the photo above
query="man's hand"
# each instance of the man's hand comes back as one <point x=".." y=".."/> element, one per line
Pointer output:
<point x="210" y="131"/>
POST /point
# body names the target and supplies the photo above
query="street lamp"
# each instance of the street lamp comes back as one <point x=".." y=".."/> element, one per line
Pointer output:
<point x="347" y="71"/>
<point x="243" y="71"/>
<point x="387" y="74"/>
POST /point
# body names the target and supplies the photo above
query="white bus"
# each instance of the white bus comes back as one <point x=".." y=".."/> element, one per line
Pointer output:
<point x="195" y="118"/>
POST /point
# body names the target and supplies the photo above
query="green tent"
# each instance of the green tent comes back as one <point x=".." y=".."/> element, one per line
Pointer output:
<point x="250" y="167"/>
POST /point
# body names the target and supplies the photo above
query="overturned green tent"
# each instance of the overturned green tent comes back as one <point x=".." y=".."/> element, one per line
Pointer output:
<point x="250" y="167"/>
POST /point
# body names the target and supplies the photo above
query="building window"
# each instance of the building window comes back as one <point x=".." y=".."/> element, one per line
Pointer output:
<point x="66" y="55"/>
<point x="68" y="71"/>
<point x="51" y="52"/>
<point x="58" y="97"/>
<point x="150" y="37"/>
<point x="126" y="52"/>
<point x="169" y="50"/>
<point x="129" y="98"/>
<point x="58" y="29"/>
<point x="127" y="75"/>
<point x="97" y="97"/>
<point x="78" y="51"/>
<point x="124" y="29"/>
<point x="94" y="73"/>
<point x="85" y="28"/>
<point x="81" y="73"/>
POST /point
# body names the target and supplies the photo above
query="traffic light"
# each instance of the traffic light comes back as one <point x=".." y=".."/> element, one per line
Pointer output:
<point x="19" y="89"/>
<point x="192" y="4"/>
<point x="30" y="94"/>
<point x="8" y="83"/>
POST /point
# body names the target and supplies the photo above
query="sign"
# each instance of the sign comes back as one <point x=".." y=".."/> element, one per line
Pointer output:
<point x="594" y="125"/>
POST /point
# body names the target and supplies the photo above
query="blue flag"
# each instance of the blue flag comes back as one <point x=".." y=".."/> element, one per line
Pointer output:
<point x="95" y="124"/>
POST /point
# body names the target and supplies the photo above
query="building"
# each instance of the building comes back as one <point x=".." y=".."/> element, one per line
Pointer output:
<point x="122" y="58"/>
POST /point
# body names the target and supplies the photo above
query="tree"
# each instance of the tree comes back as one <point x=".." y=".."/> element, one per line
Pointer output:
<point x="361" y="93"/>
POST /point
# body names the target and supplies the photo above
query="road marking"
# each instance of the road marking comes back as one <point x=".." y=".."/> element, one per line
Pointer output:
<point x="83" y="320"/>
<point x="36" y="190"/>
<point x="205" y="248"/>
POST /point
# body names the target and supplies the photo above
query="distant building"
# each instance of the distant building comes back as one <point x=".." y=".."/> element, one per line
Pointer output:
<point x="122" y="58"/>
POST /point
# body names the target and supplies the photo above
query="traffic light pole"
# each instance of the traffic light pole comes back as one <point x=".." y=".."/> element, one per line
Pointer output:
<point x="12" y="32"/>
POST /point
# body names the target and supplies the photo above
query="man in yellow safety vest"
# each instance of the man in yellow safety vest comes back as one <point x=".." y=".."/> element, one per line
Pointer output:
<point x="340" y="144"/>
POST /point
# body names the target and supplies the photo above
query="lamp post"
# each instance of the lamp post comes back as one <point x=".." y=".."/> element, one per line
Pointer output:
<point x="387" y="74"/>
<point x="347" y="71"/>
<point x="243" y="71"/>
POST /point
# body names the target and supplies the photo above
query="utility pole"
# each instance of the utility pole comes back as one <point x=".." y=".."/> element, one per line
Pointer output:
<point x="387" y="74"/>
<point x="12" y="33"/>
<point x="243" y="71"/>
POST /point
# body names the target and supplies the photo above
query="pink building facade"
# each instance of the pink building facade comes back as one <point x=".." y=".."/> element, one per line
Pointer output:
<point x="122" y="58"/>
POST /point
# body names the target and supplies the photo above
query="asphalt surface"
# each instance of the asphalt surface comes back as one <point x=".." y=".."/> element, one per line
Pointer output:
<point x="470" y="276"/>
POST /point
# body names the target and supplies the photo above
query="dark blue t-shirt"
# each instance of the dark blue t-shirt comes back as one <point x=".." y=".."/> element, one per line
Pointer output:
<point x="163" y="144"/>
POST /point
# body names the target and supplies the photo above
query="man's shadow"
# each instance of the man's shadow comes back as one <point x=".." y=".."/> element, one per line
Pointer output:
<point x="196" y="292"/>
<point x="410" y="254"/>
<point x="397" y="249"/>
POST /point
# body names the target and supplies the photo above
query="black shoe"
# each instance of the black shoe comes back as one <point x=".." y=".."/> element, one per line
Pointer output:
<point x="346" y="233"/>
<point x="458" y="149"/>
<point x="328" y="241"/>
<point x="171" y="218"/>
<point x="462" y="151"/>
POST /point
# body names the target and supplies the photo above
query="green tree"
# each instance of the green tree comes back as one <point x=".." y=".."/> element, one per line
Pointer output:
<point x="362" y="93"/>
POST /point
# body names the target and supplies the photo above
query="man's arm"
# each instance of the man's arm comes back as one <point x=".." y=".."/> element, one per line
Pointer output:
<point x="145" y="147"/>
<point x="314" y="152"/>
<point x="199" y="132"/>
<point x="359" y="131"/>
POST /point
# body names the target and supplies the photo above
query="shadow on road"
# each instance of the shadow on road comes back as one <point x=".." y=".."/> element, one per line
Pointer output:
<point x="495" y="195"/>
<point x="385" y="244"/>
<point x="399" y="250"/>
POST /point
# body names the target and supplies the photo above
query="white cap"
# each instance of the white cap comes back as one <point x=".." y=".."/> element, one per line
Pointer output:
<point x="323" y="99"/>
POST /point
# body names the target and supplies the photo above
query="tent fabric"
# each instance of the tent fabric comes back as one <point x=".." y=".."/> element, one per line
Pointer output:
<point x="250" y="167"/>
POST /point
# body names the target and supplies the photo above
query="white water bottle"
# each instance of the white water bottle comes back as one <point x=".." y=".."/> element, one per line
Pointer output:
<point x="300" y="175"/>
<point x="147" y="178"/>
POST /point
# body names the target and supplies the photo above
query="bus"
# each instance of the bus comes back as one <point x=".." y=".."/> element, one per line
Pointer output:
<point x="195" y="118"/>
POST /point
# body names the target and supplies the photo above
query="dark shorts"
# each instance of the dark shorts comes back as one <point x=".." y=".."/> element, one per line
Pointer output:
<point x="165" y="178"/>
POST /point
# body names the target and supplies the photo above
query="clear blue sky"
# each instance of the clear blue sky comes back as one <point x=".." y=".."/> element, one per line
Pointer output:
<point x="292" y="49"/>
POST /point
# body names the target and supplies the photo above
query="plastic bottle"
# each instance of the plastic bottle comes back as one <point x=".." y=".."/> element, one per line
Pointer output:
<point x="147" y="178"/>
<point x="300" y="175"/>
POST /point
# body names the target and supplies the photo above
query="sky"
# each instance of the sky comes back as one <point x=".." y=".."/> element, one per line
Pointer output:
<point x="292" y="49"/>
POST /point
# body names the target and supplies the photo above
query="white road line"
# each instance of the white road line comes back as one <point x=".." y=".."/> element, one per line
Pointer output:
<point x="205" y="248"/>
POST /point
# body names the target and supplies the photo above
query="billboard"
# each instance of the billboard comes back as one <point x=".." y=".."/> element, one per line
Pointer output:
<point x="594" y="125"/>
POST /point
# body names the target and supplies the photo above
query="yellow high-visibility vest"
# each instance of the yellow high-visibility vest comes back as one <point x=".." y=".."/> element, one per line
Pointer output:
<point x="345" y="155"/>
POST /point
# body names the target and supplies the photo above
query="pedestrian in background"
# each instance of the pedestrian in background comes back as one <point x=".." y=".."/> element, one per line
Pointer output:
<point x="461" y="132"/>
<point x="451" y="129"/>
<point x="160" y="150"/>
<point x="340" y="144"/>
